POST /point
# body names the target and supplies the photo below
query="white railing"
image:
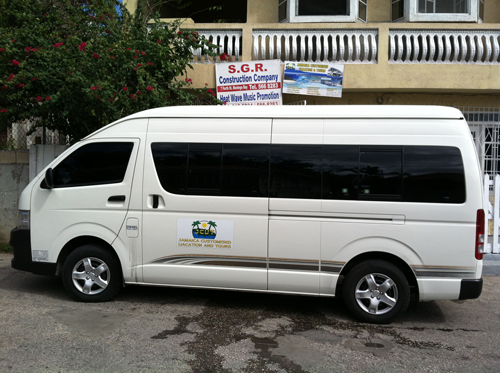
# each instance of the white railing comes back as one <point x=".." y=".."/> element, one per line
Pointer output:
<point x="444" y="46"/>
<point x="229" y="42"/>
<point x="344" y="46"/>
<point x="492" y="212"/>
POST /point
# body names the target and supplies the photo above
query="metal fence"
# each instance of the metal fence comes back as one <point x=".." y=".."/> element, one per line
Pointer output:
<point x="23" y="134"/>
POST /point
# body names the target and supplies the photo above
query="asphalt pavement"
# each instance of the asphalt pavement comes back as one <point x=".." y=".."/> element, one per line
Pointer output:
<point x="148" y="329"/>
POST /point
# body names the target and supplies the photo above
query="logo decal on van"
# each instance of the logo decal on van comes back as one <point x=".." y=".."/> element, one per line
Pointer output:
<point x="205" y="234"/>
<point x="204" y="229"/>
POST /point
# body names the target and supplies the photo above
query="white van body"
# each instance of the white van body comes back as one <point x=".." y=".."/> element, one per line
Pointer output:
<point x="267" y="243"/>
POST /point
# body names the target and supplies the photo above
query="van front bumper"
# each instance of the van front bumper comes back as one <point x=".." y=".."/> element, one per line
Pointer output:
<point x="20" y="241"/>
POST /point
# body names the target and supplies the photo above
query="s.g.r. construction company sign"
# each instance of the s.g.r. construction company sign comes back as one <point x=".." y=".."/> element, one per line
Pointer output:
<point x="249" y="83"/>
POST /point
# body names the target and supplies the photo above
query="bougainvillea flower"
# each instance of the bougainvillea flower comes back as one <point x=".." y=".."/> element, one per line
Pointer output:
<point x="39" y="98"/>
<point x="82" y="46"/>
<point x="143" y="53"/>
<point x="150" y="89"/>
<point x="125" y="88"/>
<point x="211" y="92"/>
<point x="47" y="98"/>
<point x="3" y="111"/>
<point x="150" y="63"/>
<point x="15" y="63"/>
<point x="96" y="56"/>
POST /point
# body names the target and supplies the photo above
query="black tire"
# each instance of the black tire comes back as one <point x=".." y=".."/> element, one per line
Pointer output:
<point x="92" y="274"/>
<point x="376" y="292"/>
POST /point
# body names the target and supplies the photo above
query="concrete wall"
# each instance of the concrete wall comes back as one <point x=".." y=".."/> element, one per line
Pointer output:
<point x="14" y="176"/>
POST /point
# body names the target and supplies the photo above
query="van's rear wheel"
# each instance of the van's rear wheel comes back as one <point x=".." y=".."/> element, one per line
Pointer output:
<point x="376" y="292"/>
<point x="91" y="274"/>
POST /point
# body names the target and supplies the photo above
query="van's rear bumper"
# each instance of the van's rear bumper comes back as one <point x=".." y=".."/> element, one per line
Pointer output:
<point x="20" y="241"/>
<point x="471" y="289"/>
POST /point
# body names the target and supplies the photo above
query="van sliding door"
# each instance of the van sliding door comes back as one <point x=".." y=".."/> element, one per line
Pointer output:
<point x="206" y="205"/>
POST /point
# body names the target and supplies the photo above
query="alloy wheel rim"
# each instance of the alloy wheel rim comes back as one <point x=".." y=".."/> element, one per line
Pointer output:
<point x="91" y="276"/>
<point x="376" y="294"/>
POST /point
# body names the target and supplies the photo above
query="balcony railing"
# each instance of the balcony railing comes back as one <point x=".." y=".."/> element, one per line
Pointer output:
<point x="344" y="46"/>
<point x="229" y="42"/>
<point x="444" y="46"/>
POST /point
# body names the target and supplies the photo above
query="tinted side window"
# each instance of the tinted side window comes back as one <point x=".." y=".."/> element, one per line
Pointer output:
<point x="296" y="171"/>
<point x="204" y="169"/>
<point x="213" y="169"/>
<point x="340" y="178"/>
<point x="171" y="165"/>
<point x="245" y="170"/>
<point x="380" y="173"/>
<point x="94" y="164"/>
<point x="433" y="174"/>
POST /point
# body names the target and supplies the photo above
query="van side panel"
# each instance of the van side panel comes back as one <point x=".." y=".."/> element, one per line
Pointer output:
<point x="294" y="239"/>
<point x="436" y="240"/>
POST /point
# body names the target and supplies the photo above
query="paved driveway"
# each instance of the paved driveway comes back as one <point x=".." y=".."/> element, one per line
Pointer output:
<point x="183" y="330"/>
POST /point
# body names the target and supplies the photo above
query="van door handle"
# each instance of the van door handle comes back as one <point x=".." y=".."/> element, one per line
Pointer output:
<point x="116" y="199"/>
<point x="156" y="201"/>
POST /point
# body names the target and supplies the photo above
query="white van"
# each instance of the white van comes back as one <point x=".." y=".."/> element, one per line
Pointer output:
<point x="372" y="203"/>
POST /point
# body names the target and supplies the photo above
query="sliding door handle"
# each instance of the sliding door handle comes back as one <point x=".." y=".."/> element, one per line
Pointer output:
<point x="116" y="199"/>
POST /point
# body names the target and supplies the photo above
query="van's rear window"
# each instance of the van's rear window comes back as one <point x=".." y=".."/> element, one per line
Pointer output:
<point x="432" y="174"/>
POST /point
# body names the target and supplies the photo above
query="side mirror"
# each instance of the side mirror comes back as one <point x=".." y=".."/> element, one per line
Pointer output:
<point x="49" y="179"/>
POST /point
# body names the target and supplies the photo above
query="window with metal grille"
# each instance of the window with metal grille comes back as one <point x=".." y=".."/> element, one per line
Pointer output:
<point x="437" y="10"/>
<point x="322" y="11"/>
<point x="484" y="124"/>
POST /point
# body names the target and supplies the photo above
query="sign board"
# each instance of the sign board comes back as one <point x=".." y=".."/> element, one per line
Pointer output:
<point x="249" y="83"/>
<point x="315" y="79"/>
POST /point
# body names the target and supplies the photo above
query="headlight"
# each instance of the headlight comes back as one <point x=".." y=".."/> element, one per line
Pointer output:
<point x="23" y="219"/>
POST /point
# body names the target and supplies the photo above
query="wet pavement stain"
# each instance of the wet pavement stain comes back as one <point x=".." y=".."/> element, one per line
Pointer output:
<point x="228" y="319"/>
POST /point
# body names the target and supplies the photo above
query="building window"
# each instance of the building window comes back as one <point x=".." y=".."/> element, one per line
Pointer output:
<point x="322" y="11"/>
<point x="206" y="11"/>
<point x="437" y="10"/>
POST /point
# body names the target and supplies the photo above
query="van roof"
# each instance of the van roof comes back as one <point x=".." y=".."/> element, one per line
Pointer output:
<point x="303" y="111"/>
<point x="297" y="111"/>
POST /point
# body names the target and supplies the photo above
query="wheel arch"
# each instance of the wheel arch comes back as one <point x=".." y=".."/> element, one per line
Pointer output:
<point x="380" y="255"/>
<point x="76" y="242"/>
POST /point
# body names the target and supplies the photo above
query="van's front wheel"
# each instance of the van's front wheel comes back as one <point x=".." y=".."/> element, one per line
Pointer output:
<point x="91" y="274"/>
<point x="376" y="292"/>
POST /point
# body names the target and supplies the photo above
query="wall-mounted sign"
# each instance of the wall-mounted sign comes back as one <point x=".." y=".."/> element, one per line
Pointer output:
<point x="315" y="79"/>
<point x="249" y="83"/>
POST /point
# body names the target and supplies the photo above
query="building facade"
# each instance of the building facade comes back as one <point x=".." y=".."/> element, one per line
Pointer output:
<point x="395" y="52"/>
